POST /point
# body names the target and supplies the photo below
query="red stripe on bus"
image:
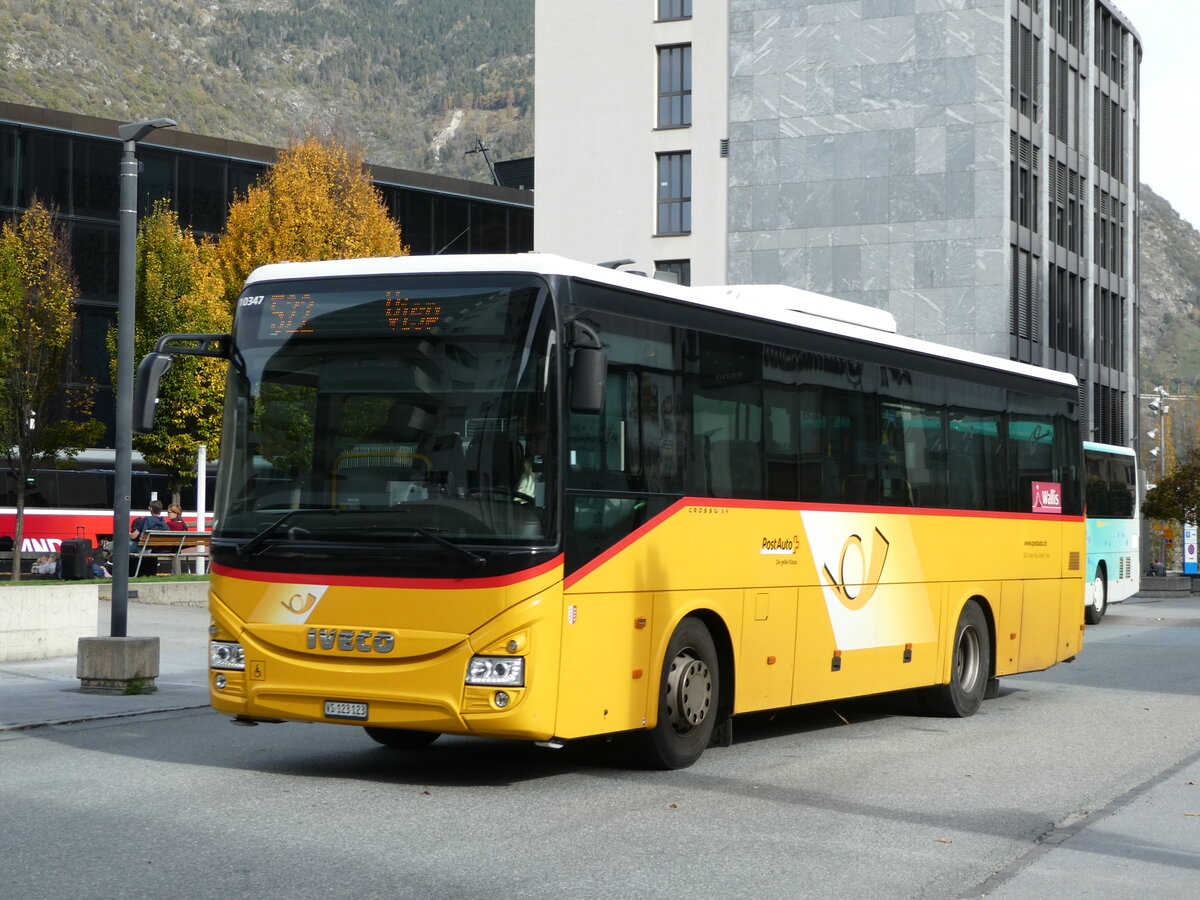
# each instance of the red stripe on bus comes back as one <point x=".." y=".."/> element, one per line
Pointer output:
<point x="437" y="584"/>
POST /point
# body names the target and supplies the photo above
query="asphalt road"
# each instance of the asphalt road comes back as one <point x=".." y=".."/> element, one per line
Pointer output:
<point x="1073" y="782"/>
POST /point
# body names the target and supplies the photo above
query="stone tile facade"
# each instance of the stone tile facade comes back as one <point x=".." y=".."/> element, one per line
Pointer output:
<point x="868" y="158"/>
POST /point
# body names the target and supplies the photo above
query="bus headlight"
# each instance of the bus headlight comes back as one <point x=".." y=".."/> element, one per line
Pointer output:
<point x="507" y="671"/>
<point x="226" y="655"/>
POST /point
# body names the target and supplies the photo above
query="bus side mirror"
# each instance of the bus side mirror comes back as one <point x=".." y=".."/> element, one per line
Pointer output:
<point x="589" y="369"/>
<point x="145" y="389"/>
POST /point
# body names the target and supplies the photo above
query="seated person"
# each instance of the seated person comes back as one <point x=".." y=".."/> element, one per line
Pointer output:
<point x="153" y="522"/>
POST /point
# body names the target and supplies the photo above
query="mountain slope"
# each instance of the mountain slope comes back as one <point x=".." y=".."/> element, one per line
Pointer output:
<point x="414" y="81"/>
<point x="1170" y="296"/>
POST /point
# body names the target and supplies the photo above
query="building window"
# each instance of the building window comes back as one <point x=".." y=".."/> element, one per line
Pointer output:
<point x="1023" y="174"/>
<point x="1067" y="18"/>
<point x="1065" y="312"/>
<point x="1108" y="415"/>
<point x="674" y="193"/>
<point x="1025" y="291"/>
<point x="1025" y="64"/>
<point x="674" y="9"/>
<point x="675" y="86"/>
<point x="675" y="271"/>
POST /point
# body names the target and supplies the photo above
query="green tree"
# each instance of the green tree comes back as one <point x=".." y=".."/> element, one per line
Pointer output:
<point x="37" y="287"/>
<point x="1176" y="498"/>
<point x="178" y="291"/>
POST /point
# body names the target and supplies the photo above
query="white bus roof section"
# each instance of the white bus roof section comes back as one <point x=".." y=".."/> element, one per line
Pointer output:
<point x="773" y="303"/>
<point x="1113" y="449"/>
<point x="776" y="299"/>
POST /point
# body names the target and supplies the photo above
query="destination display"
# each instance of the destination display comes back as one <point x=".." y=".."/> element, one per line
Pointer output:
<point x="288" y="314"/>
<point x="377" y="307"/>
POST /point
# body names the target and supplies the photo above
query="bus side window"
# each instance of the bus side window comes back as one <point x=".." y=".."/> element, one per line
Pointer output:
<point x="726" y="450"/>
<point x="1031" y="458"/>
<point x="975" y="463"/>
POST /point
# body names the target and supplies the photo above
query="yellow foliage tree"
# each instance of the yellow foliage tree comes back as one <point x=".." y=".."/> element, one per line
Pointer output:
<point x="316" y="202"/>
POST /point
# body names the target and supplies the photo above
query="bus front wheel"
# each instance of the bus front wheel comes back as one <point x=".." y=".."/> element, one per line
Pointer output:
<point x="687" y="699"/>
<point x="401" y="738"/>
<point x="1099" y="605"/>
<point x="970" y="671"/>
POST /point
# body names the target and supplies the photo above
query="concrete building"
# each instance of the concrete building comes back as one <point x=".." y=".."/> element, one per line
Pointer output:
<point x="968" y="165"/>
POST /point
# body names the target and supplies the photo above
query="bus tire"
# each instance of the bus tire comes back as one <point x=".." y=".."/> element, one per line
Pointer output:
<point x="1095" y="610"/>
<point x="687" y="699"/>
<point x="401" y="738"/>
<point x="970" y="668"/>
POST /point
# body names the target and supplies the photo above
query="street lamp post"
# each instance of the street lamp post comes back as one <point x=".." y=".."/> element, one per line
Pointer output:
<point x="126" y="303"/>
<point x="1158" y="405"/>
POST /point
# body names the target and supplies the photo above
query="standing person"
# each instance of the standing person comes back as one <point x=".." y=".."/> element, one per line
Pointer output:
<point x="175" y="518"/>
<point x="142" y="524"/>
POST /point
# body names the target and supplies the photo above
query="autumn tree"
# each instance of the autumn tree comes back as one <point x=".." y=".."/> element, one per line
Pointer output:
<point x="316" y="202"/>
<point x="37" y="289"/>
<point x="179" y="290"/>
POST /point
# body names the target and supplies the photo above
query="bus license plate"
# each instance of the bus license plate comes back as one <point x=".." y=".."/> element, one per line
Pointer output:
<point x="340" y="709"/>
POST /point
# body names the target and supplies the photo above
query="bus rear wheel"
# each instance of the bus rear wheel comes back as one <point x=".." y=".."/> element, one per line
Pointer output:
<point x="970" y="671"/>
<point x="1099" y="605"/>
<point x="688" y="695"/>
<point x="401" y="738"/>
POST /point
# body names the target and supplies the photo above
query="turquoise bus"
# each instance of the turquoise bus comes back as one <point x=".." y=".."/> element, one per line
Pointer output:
<point x="1113" y="527"/>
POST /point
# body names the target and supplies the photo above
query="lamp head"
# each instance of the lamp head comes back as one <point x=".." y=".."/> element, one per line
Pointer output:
<point x="135" y="131"/>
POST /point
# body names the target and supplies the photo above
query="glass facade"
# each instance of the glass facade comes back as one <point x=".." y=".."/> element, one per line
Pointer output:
<point x="77" y="172"/>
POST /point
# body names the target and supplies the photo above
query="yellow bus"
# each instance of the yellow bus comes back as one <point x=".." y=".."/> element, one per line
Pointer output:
<point x="520" y="496"/>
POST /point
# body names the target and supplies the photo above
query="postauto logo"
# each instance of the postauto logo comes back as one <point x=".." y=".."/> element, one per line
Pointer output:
<point x="779" y="546"/>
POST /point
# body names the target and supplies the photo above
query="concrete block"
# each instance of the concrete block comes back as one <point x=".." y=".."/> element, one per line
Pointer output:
<point x="40" y="621"/>
<point x="116" y="665"/>
<point x="164" y="593"/>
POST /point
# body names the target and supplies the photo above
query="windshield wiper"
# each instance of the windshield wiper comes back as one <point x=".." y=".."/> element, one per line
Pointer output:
<point x="258" y="540"/>
<point x="476" y="560"/>
<point x="263" y="536"/>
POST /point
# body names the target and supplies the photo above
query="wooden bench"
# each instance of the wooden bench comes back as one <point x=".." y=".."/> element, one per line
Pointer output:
<point x="172" y="545"/>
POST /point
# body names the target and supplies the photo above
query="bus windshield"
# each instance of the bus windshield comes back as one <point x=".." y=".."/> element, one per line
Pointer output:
<point x="393" y="417"/>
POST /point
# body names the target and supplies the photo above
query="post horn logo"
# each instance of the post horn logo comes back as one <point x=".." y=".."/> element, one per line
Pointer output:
<point x="858" y="573"/>
<point x="299" y="604"/>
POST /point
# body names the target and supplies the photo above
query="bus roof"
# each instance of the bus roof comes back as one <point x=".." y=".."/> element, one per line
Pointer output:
<point x="775" y="303"/>
<point x="1108" y="448"/>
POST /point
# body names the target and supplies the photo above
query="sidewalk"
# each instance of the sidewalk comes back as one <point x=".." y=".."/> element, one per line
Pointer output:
<point x="46" y="691"/>
<point x="1142" y="844"/>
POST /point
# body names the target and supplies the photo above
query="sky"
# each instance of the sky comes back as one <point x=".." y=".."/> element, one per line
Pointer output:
<point x="1170" y="100"/>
